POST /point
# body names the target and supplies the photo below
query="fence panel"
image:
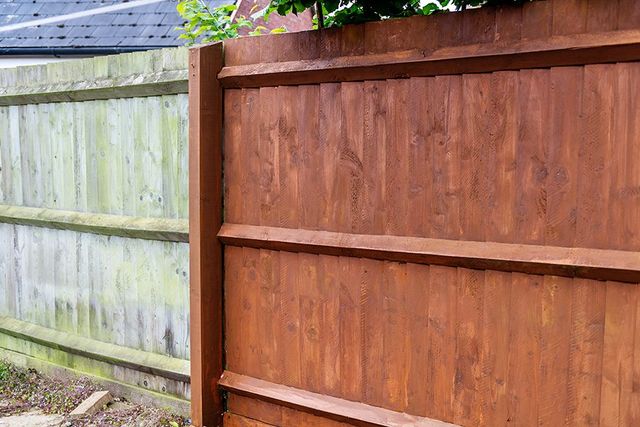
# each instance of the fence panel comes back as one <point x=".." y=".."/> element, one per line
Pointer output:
<point x="94" y="219"/>
<point x="434" y="220"/>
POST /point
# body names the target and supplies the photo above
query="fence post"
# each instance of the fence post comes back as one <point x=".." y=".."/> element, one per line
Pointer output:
<point x="205" y="219"/>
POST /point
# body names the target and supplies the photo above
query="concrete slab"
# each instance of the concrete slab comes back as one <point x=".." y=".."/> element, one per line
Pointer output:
<point x="32" y="419"/>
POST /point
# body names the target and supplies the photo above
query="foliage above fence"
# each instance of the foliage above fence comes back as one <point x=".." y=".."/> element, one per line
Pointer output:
<point x="341" y="12"/>
<point x="206" y="24"/>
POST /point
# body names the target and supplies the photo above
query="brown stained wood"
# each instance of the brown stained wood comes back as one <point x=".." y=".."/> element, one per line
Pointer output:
<point x="524" y="347"/>
<point x="618" y="161"/>
<point x="602" y="15"/>
<point x="351" y="173"/>
<point x="352" y="40"/>
<point x="536" y="19"/>
<point x="531" y="157"/>
<point x="351" y="286"/>
<point x="268" y="325"/>
<point x="289" y="317"/>
<point x="634" y="408"/>
<point x="419" y="160"/>
<point x="353" y="413"/>
<point x="585" y="351"/>
<point x="268" y="183"/>
<point x="330" y="139"/>
<point x="375" y="134"/>
<point x="569" y="16"/>
<point x="562" y="184"/>
<point x="311" y="322"/>
<point x="397" y="153"/>
<point x="502" y="162"/>
<point x="438" y="225"/>
<point x="594" y="152"/>
<point x="441" y="339"/>
<point x="479" y="25"/>
<point x="558" y="50"/>
<point x="331" y="366"/>
<point x="494" y="350"/>
<point x="205" y="208"/>
<point x="628" y="14"/>
<point x="232" y="155"/>
<point x="417" y="290"/>
<point x="509" y="23"/>
<point x="233" y="296"/>
<point x="448" y="30"/>
<point x="310" y="154"/>
<point x="554" y="349"/>
<point x="253" y="408"/>
<point x="232" y="420"/>
<point x="475" y="156"/>
<point x="396" y="357"/>
<point x="447" y="136"/>
<point x="597" y="264"/>
<point x="620" y="323"/>
<point x="249" y="310"/>
<point x="469" y="328"/>
<point x="249" y="143"/>
<point x="373" y="339"/>
<point x="631" y="196"/>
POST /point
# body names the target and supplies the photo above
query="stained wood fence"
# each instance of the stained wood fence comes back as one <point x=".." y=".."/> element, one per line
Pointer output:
<point x="94" y="220"/>
<point x="426" y="221"/>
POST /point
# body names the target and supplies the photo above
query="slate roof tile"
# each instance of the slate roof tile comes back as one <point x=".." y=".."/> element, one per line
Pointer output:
<point x="122" y="27"/>
<point x="148" y="26"/>
<point x="125" y="19"/>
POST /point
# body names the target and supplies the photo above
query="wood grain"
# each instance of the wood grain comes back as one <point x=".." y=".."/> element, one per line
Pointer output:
<point x="338" y="409"/>
<point x="555" y="51"/>
<point x="437" y="216"/>
<point x="597" y="264"/>
<point x="205" y="209"/>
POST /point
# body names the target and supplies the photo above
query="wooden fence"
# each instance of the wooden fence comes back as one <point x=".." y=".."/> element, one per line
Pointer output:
<point x="426" y="221"/>
<point x="93" y="219"/>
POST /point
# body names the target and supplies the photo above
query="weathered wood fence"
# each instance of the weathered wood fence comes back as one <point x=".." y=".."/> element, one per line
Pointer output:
<point x="424" y="219"/>
<point x="93" y="219"/>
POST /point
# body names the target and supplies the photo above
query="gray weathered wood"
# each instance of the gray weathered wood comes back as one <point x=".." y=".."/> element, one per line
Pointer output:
<point x="172" y="230"/>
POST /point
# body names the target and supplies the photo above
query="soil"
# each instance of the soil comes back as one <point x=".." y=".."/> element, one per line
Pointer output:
<point x="29" y="399"/>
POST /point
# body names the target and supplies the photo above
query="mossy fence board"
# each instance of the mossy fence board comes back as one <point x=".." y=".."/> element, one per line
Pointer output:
<point x="94" y="211"/>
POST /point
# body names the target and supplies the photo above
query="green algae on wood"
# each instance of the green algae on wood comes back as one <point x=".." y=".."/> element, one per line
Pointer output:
<point x="167" y="229"/>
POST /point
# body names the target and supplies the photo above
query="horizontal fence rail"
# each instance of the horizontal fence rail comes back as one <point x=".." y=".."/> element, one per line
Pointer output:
<point x="599" y="264"/>
<point x="153" y="84"/>
<point x="165" y="229"/>
<point x="581" y="49"/>
<point x="154" y="364"/>
<point x="341" y="410"/>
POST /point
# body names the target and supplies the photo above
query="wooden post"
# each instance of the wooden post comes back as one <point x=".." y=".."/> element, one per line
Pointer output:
<point x="205" y="219"/>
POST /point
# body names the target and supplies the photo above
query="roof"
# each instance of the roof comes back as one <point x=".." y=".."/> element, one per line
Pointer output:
<point x="88" y="26"/>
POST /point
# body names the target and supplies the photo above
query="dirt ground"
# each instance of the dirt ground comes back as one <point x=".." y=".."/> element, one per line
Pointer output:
<point x="29" y="399"/>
